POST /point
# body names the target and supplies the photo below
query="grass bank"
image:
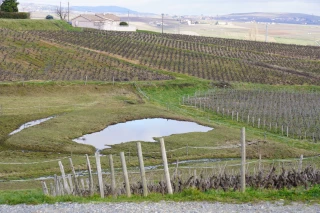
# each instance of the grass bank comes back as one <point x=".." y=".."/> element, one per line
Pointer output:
<point x="31" y="24"/>
<point x="33" y="197"/>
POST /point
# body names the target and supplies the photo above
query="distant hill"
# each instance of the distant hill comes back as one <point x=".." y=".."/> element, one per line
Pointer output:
<point x="31" y="7"/>
<point x="289" y="18"/>
<point x="102" y="9"/>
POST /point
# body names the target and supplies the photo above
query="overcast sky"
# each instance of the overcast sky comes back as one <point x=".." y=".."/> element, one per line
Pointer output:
<point x="206" y="7"/>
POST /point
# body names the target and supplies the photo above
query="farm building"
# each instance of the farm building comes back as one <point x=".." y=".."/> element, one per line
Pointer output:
<point x="100" y="22"/>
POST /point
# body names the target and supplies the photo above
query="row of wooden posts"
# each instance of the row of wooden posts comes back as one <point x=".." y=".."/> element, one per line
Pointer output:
<point x="64" y="184"/>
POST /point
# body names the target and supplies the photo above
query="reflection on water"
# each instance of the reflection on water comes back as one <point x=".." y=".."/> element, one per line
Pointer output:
<point x="139" y="130"/>
<point x="30" y="124"/>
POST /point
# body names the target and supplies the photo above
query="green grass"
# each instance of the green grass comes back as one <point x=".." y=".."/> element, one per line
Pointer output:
<point x="34" y="197"/>
<point x="31" y="24"/>
<point x="147" y="31"/>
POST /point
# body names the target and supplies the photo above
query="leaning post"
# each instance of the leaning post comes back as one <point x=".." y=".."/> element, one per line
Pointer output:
<point x="243" y="160"/>
<point x="165" y="165"/>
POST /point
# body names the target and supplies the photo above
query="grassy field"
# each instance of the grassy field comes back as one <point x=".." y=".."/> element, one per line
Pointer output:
<point x="30" y="24"/>
<point x="82" y="109"/>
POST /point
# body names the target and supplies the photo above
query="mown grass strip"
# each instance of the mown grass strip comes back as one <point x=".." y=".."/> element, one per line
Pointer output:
<point x="34" y="197"/>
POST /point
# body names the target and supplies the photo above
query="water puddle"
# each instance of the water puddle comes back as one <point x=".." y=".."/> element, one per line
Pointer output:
<point x="139" y="130"/>
<point x="30" y="124"/>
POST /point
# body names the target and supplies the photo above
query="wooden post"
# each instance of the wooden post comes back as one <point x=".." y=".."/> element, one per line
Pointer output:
<point x="52" y="190"/>
<point x="176" y="171"/>
<point x="243" y="160"/>
<point x="237" y="116"/>
<point x="44" y="188"/>
<point x="259" y="162"/>
<point x="125" y="174"/>
<point x="82" y="184"/>
<point x="65" y="183"/>
<point x="70" y="184"/>
<point x="300" y="163"/>
<point x="90" y="176"/>
<point x="165" y="165"/>
<point x="99" y="175"/>
<point x="75" y="180"/>
<point x="187" y="149"/>
<point x="259" y="123"/>
<point x="142" y="172"/>
<point x="287" y="131"/>
<point x="61" y="188"/>
<point x="113" y="180"/>
<point x="56" y="185"/>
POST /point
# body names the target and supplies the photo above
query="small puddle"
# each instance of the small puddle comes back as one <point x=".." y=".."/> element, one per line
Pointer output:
<point x="139" y="130"/>
<point x="30" y="124"/>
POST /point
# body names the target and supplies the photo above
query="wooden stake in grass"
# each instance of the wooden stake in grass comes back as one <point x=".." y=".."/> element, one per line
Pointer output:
<point x="90" y="176"/>
<point x="75" y="180"/>
<point x="125" y="174"/>
<point x="165" y="165"/>
<point x="113" y="179"/>
<point x="142" y="172"/>
<point x="44" y="188"/>
<point x="99" y="175"/>
<point x="243" y="160"/>
<point x="65" y="183"/>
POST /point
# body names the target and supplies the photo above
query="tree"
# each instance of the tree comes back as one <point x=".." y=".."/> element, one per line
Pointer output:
<point x="123" y="23"/>
<point x="62" y="13"/>
<point x="9" y="6"/>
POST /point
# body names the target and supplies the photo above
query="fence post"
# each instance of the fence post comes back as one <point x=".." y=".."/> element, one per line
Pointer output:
<point x="142" y="172"/>
<point x="243" y="159"/>
<point x="113" y="180"/>
<point x="165" y="165"/>
<point x="70" y="184"/>
<point x="125" y="174"/>
<point x="65" y="183"/>
<point x="300" y="163"/>
<point x="75" y="180"/>
<point x="44" y="188"/>
<point x="90" y="176"/>
<point x="56" y="185"/>
<point x="99" y="175"/>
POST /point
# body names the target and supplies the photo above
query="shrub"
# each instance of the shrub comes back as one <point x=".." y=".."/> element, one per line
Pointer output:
<point x="123" y="23"/>
<point x="14" y="15"/>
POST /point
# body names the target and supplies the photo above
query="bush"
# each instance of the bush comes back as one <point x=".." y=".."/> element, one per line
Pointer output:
<point x="49" y="17"/>
<point x="123" y="23"/>
<point x="14" y="15"/>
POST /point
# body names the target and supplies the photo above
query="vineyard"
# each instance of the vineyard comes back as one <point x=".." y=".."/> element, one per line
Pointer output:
<point x="124" y="56"/>
<point x="207" y="58"/>
<point x="295" y="115"/>
<point x="25" y="57"/>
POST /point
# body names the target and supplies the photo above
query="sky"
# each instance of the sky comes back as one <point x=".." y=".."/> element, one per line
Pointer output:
<point x="205" y="7"/>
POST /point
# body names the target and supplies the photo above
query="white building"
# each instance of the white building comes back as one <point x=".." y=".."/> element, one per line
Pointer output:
<point x="100" y="22"/>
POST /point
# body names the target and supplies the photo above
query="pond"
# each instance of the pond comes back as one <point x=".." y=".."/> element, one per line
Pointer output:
<point x="139" y="130"/>
<point x="30" y="124"/>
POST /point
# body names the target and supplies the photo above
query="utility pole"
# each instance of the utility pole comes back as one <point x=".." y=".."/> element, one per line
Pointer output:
<point x="162" y="22"/>
<point x="68" y="12"/>
<point x="266" y="32"/>
<point x="128" y="17"/>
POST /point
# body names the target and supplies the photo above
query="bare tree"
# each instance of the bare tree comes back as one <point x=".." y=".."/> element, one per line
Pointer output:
<point x="61" y="12"/>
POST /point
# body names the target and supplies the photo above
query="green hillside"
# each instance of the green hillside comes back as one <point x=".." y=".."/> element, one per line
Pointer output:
<point x="31" y="24"/>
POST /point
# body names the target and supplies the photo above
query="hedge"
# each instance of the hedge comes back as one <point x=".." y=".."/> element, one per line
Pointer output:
<point x="14" y="15"/>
